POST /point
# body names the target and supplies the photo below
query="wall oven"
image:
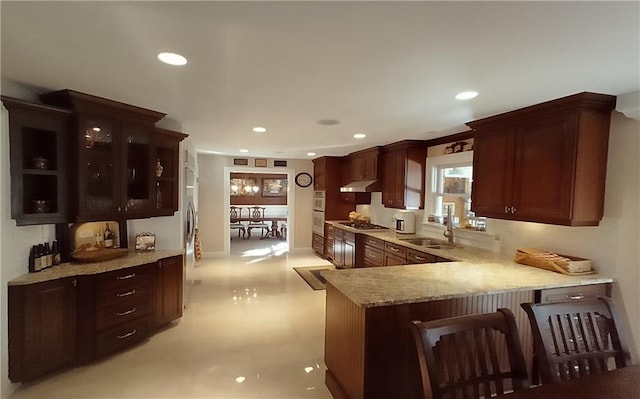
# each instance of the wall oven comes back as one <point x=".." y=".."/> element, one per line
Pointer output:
<point x="318" y="212"/>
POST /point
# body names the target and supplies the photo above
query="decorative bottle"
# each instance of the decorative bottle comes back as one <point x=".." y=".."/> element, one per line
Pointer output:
<point x="32" y="259"/>
<point x="158" y="197"/>
<point x="48" y="257"/>
<point x="55" y="249"/>
<point x="159" y="168"/>
<point x="108" y="237"/>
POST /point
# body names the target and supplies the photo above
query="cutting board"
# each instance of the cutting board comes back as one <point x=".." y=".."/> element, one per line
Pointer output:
<point x="100" y="255"/>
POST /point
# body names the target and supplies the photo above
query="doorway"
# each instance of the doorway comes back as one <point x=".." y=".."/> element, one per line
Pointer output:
<point x="265" y="187"/>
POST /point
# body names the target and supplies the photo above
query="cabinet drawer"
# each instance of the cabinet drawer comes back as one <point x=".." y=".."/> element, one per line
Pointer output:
<point x="317" y="243"/>
<point x="129" y="277"/>
<point x="416" y="257"/>
<point x="120" y="295"/>
<point x="373" y="242"/>
<point x="120" y="337"/>
<point x="373" y="256"/>
<point x="395" y="250"/>
<point x="573" y="293"/>
<point x="123" y="312"/>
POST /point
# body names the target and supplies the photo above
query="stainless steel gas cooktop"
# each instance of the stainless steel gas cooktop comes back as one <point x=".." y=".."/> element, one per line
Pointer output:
<point x="363" y="226"/>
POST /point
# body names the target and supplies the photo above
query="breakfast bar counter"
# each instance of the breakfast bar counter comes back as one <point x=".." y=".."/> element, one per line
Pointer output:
<point x="369" y="349"/>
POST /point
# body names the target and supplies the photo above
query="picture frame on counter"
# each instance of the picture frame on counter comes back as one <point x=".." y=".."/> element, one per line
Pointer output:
<point x="145" y="242"/>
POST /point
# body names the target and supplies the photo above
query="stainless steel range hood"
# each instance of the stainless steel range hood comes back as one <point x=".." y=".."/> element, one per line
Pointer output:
<point x="361" y="186"/>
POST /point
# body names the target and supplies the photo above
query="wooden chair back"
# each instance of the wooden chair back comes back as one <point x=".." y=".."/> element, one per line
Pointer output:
<point x="577" y="338"/>
<point x="235" y="214"/>
<point x="256" y="213"/>
<point x="464" y="357"/>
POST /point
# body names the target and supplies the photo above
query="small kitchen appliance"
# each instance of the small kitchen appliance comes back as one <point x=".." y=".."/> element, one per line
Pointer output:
<point x="405" y="222"/>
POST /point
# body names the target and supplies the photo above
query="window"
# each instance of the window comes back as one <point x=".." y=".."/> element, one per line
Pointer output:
<point x="449" y="179"/>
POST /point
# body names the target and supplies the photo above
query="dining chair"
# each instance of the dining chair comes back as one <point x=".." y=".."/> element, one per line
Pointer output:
<point x="234" y="220"/>
<point x="256" y="216"/>
<point x="577" y="338"/>
<point x="464" y="356"/>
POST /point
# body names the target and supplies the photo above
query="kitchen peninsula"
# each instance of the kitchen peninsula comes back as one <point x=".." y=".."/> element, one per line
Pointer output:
<point x="369" y="349"/>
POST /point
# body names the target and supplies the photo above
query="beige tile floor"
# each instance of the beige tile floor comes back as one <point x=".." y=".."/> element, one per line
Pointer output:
<point x="252" y="328"/>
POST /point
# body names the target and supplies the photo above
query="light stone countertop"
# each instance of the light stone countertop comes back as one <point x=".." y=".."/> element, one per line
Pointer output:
<point x="473" y="272"/>
<point x="70" y="269"/>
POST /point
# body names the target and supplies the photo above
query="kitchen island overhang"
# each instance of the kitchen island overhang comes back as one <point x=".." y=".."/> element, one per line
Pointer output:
<point x="369" y="350"/>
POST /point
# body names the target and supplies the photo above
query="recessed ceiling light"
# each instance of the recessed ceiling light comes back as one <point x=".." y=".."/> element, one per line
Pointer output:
<point x="466" y="95"/>
<point x="328" y="122"/>
<point x="359" y="136"/>
<point x="311" y="154"/>
<point x="172" y="58"/>
<point x="244" y="150"/>
<point x="259" y="129"/>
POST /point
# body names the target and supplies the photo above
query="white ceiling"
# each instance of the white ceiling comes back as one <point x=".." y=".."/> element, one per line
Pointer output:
<point x="388" y="69"/>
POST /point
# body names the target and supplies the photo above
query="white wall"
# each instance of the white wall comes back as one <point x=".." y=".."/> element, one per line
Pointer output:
<point x="211" y="200"/>
<point x="613" y="246"/>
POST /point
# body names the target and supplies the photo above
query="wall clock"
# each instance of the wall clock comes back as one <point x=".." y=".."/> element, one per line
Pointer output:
<point x="303" y="179"/>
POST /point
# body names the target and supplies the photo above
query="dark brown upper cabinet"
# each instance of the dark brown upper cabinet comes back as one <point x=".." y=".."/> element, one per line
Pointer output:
<point x="545" y="163"/>
<point x="403" y="174"/>
<point x="114" y="150"/>
<point x="363" y="165"/>
<point x="38" y="137"/>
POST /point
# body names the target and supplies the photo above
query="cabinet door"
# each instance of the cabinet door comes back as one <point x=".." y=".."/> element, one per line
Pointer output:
<point x="99" y="182"/>
<point x="138" y="179"/>
<point x="394" y="178"/>
<point x="166" y="177"/>
<point x="370" y="167"/>
<point x="169" y="282"/>
<point x="42" y="328"/>
<point x="388" y="179"/>
<point x="493" y="172"/>
<point x="544" y="169"/>
<point x="338" y="248"/>
<point x="349" y="250"/>
<point x="391" y="259"/>
<point x="319" y="174"/>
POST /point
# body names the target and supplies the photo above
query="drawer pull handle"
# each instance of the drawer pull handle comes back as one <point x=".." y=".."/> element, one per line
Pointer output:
<point x="127" y="312"/>
<point x="394" y="249"/>
<point x="575" y="297"/>
<point x="128" y="276"/>
<point x="127" y="335"/>
<point x="126" y="293"/>
<point x="419" y="257"/>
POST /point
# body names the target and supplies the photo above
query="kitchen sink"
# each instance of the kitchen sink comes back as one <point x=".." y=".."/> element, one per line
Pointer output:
<point x="429" y="243"/>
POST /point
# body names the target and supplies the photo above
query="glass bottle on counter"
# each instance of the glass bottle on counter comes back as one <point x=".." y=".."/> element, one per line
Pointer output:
<point x="32" y="259"/>
<point x="158" y="196"/>
<point x="108" y="237"/>
<point x="55" y="250"/>
<point x="48" y="256"/>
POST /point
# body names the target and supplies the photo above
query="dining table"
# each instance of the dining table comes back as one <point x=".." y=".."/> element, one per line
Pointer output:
<point x="273" y="231"/>
<point x="622" y="383"/>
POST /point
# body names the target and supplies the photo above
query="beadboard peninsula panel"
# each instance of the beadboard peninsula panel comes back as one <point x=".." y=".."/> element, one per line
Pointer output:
<point x="388" y="367"/>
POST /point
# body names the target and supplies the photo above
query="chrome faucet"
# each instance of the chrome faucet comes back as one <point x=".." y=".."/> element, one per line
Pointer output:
<point x="449" y="231"/>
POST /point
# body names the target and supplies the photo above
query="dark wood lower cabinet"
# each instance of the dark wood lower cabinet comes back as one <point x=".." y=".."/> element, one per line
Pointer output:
<point x="62" y="323"/>
<point x="42" y="328"/>
<point x="169" y="283"/>
<point x="317" y="244"/>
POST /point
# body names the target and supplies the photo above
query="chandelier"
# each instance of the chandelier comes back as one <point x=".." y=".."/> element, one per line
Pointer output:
<point x="244" y="187"/>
